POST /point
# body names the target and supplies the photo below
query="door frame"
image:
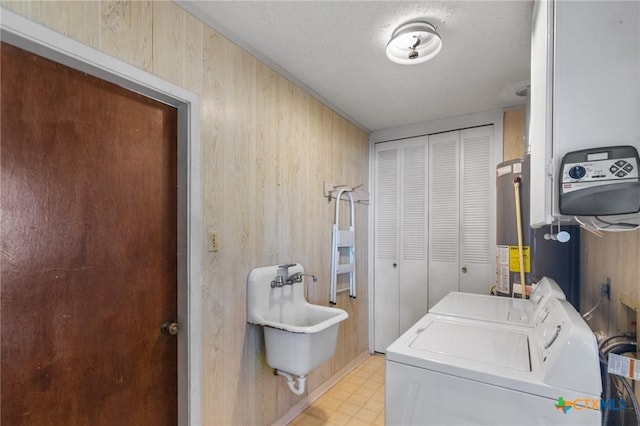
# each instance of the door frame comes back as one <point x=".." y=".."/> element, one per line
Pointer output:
<point x="27" y="35"/>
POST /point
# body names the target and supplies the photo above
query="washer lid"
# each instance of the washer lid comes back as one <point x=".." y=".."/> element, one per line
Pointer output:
<point x="482" y="351"/>
<point x="486" y="308"/>
<point x="558" y="357"/>
<point x="503" y="348"/>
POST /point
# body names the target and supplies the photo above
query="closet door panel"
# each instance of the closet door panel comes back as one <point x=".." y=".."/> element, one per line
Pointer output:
<point x="477" y="205"/>
<point x="444" y="217"/>
<point x="434" y="227"/>
<point x="386" y="271"/>
<point x="413" y="233"/>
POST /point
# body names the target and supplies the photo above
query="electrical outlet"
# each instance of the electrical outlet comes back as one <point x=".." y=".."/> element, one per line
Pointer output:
<point x="605" y="289"/>
<point x="212" y="241"/>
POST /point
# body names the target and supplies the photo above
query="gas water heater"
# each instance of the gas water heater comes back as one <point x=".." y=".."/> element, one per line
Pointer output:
<point x="542" y="256"/>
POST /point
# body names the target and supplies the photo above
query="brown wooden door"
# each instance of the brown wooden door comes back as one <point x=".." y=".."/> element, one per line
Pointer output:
<point x="88" y="249"/>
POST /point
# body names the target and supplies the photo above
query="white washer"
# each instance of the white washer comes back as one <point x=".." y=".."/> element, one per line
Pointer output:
<point x="525" y="312"/>
<point x="449" y="370"/>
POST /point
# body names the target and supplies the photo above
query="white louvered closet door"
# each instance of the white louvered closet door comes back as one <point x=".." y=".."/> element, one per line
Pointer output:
<point x="400" y="270"/>
<point x="477" y="205"/>
<point x="444" y="216"/>
<point x="387" y="224"/>
<point x="413" y="234"/>
<point x="461" y="212"/>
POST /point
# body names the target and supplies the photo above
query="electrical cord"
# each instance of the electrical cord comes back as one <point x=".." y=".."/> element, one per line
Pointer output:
<point x="597" y="228"/>
<point x="587" y="315"/>
<point x="616" y="336"/>
<point x="623" y="224"/>
<point x="617" y="345"/>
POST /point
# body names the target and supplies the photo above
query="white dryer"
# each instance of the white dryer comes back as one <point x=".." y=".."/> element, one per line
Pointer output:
<point x="448" y="370"/>
<point x="525" y="312"/>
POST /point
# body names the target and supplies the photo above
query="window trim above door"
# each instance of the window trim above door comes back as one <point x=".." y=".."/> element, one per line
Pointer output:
<point x="25" y="34"/>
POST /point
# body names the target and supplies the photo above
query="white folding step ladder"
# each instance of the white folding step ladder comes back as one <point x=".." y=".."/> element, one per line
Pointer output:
<point x="343" y="239"/>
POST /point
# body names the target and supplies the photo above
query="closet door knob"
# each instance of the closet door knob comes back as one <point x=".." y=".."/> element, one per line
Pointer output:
<point x="395" y="265"/>
<point x="464" y="269"/>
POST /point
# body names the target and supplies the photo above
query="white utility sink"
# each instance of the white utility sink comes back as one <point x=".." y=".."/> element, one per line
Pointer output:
<point x="298" y="335"/>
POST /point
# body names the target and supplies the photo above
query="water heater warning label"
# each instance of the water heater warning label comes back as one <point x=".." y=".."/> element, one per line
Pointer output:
<point x="624" y="366"/>
<point x="514" y="259"/>
<point x="502" y="269"/>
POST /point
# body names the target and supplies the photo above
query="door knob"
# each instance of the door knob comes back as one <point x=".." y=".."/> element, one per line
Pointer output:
<point x="169" y="327"/>
<point x="395" y="264"/>
<point x="464" y="269"/>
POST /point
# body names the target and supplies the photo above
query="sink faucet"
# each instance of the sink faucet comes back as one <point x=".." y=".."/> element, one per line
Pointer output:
<point x="297" y="277"/>
<point x="282" y="275"/>
<point x="283" y="278"/>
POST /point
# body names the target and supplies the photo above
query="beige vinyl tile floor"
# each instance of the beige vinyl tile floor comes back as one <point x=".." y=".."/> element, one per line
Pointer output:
<point x="357" y="399"/>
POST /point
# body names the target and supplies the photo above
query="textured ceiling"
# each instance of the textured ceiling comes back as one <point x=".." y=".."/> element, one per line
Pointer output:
<point x="336" y="51"/>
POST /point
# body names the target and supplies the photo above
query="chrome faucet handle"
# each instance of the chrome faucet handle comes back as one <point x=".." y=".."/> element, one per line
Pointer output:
<point x="294" y="278"/>
<point x="278" y="282"/>
<point x="297" y="277"/>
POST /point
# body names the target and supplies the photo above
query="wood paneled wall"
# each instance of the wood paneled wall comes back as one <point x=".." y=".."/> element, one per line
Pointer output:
<point x="617" y="256"/>
<point x="267" y="147"/>
<point x="513" y="134"/>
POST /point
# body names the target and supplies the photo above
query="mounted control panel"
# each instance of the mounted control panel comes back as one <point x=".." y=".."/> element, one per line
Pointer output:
<point x="600" y="181"/>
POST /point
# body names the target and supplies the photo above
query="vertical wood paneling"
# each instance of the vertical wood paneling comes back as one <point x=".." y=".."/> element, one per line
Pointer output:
<point x="239" y="242"/>
<point x="293" y="125"/>
<point x="51" y="14"/>
<point x="615" y="255"/>
<point x="213" y="104"/>
<point x="513" y="135"/>
<point x="267" y="147"/>
<point x="78" y="20"/>
<point x="192" y="57"/>
<point x="20" y="7"/>
<point x="267" y="166"/>
<point x="85" y="16"/>
<point x="168" y="40"/>
<point x="126" y="31"/>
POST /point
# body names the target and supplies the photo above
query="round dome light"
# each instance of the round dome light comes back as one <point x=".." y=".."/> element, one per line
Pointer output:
<point x="414" y="43"/>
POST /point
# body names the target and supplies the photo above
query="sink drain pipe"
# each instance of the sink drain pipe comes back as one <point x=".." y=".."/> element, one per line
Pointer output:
<point x="298" y="388"/>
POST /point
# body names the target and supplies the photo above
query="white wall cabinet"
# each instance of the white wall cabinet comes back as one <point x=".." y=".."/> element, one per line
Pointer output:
<point x="585" y="88"/>
<point x="434" y="224"/>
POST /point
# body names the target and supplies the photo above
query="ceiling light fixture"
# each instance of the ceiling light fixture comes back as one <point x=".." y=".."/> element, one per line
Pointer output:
<point x="414" y="43"/>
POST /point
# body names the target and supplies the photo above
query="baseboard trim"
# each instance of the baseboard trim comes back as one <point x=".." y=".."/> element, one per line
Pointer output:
<point x="301" y="405"/>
